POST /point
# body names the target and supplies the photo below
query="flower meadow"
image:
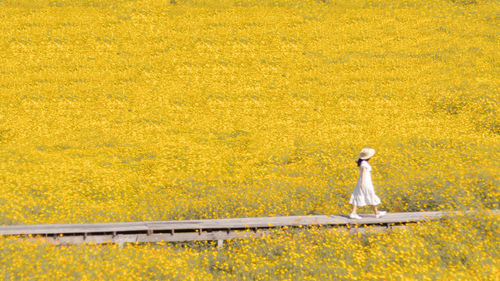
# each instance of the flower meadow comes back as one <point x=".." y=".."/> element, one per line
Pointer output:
<point x="459" y="249"/>
<point x="139" y="110"/>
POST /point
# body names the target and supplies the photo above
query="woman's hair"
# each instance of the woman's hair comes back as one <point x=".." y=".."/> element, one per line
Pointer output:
<point x="361" y="160"/>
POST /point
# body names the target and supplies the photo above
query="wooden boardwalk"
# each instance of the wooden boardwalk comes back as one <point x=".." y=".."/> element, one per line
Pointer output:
<point x="207" y="229"/>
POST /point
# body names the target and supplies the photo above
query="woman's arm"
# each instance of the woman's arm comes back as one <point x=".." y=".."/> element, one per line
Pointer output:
<point x="364" y="177"/>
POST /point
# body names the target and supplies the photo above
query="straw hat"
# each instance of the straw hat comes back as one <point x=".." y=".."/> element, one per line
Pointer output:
<point x="366" y="153"/>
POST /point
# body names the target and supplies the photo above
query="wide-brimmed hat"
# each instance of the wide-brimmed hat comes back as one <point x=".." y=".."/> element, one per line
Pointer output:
<point x="366" y="153"/>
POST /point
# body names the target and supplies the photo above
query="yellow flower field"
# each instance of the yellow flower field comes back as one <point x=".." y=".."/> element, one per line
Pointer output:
<point x="459" y="249"/>
<point x="128" y="110"/>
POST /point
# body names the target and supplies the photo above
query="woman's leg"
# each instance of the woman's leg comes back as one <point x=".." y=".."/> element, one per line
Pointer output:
<point x="375" y="209"/>
<point x="354" y="209"/>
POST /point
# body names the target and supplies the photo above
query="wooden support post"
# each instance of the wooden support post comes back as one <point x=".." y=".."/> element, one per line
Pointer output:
<point x="220" y="244"/>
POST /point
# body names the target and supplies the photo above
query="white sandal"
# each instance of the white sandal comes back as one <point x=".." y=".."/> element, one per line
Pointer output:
<point x="380" y="214"/>
<point x="354" y="216"/>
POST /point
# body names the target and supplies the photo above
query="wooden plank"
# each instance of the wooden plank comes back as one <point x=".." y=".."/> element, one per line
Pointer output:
<point x="131" y="238"/>
<point x="66" y="229"/>
<point x="215" y="224"/>
<point x="398" y="218"/>
<point x="211" y="229"/>
<point x="251" y="223"/>
<point x="163" y="225"/>
<point x="263" y="222"/>
<point x="239" y="223"/>
<point x="204" y="236"/>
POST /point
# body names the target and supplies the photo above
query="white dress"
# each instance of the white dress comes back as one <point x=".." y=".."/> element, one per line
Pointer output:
<point x="367" y="196"/>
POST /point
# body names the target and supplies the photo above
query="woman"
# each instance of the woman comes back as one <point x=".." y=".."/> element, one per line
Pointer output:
<point x="364" y="193"/>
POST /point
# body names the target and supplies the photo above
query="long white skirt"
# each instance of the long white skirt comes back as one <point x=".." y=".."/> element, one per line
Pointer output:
<point x="362" y="197"/>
